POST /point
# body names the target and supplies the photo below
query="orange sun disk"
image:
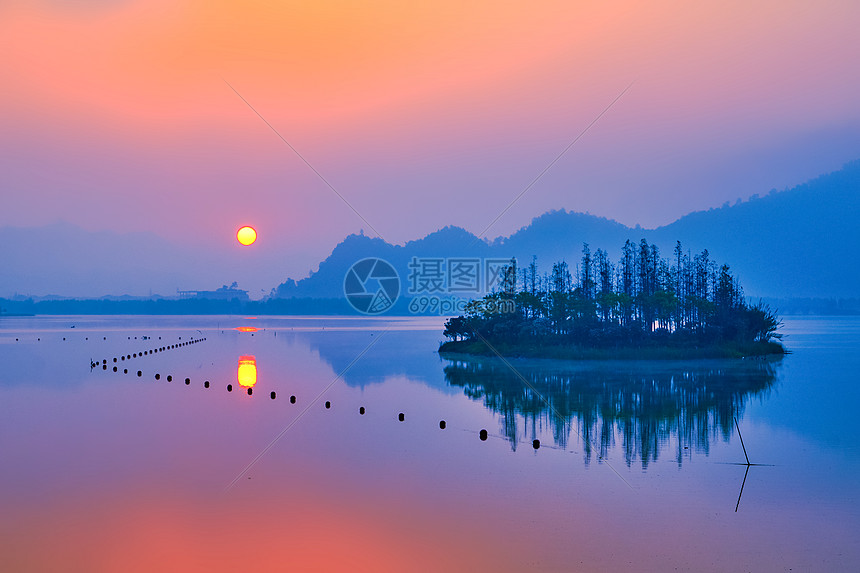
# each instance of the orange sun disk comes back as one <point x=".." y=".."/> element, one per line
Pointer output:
<point x="246" y="235"/>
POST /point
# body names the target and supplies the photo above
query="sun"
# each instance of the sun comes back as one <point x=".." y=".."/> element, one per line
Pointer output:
<point x="246" y="235"/>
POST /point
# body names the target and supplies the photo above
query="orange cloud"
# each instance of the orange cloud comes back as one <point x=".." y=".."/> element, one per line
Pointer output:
<point x="309" y="62"/>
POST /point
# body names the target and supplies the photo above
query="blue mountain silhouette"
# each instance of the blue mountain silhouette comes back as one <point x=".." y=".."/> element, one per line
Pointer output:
<point x="801" y="242"/>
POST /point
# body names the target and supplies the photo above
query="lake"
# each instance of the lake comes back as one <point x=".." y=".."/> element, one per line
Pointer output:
<point x="637" y="466"/>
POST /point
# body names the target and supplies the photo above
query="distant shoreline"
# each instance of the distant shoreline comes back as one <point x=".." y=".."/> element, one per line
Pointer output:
<point x="318" y="306"/>
<point x="565" y="352"/>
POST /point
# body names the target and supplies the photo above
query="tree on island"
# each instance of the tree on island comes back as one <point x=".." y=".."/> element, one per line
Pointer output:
<point x="643" y="302"/>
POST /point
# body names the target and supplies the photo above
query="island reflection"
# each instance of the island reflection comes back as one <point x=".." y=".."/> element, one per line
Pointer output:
<point x="642" y="406"/>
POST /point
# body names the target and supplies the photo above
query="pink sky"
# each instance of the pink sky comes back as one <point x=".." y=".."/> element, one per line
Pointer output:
<point x="116" y="115"/>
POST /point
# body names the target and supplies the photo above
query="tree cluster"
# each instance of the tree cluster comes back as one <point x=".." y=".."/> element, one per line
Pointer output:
<point x="642" y="299"/>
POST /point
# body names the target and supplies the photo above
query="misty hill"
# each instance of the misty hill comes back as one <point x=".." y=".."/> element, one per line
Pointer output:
<point x="327" y="282"/>
<point x="63" y="259"/>
<point x="80" y="262"/>
<point x="555" y="235"/>
<point x="801" y="242"/>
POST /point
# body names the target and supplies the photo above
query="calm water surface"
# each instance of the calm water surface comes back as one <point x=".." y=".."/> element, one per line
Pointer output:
<point x="638" y="465"/>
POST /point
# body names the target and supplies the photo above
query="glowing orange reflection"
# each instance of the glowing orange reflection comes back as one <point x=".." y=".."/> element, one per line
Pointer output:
<point x="247" y="372"/>
<point x="246" y="329"/>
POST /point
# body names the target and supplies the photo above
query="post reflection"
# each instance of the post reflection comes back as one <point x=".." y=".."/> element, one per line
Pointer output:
<point x="642" y="408"/>
<point x="246" y="374"/>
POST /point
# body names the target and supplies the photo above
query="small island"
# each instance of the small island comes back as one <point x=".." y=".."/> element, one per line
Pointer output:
<point x="642" y="307"/>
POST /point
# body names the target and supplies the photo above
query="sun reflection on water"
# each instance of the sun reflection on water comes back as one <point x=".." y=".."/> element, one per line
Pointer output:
<point x="246" y="374"/>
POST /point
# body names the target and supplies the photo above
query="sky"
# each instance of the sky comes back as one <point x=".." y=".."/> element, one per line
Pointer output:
<point x="129" y="115"/>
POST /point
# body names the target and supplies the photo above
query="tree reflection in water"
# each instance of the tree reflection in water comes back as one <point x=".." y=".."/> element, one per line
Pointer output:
<point x="644" y="406"/>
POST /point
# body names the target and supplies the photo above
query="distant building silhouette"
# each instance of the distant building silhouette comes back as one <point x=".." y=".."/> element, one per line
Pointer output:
<point x="223" y="293"/>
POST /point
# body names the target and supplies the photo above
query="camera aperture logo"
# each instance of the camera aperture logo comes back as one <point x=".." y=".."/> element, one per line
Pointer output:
<point x="371" y="286"/>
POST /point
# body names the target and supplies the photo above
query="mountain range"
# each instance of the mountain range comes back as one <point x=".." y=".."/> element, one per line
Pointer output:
<point x="799" y="242"/>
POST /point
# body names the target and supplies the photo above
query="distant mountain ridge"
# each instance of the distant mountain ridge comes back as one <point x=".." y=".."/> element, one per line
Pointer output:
<point x="62" y="260"/>
<point x="796" y="243"/>
<point x="80" y="261"/>
<point x="801" y="242"/>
